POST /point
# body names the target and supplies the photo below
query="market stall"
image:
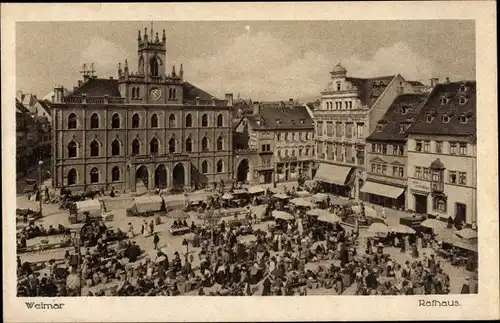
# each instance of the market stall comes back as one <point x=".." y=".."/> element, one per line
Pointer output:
<point x="301" y="202"/>
<point x="147" y="205"/>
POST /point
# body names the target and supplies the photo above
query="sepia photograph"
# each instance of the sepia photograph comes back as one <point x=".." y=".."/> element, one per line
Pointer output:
<point x="159" y="157"/>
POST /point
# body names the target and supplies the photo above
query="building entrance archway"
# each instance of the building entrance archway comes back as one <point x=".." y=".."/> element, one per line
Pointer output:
<point x="142" y="179"/>
<point x="161" y="177"/>
<point x="178" y="176"/>
<point x="243" y="171"/>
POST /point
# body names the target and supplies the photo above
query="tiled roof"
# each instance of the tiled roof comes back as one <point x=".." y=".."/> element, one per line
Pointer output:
<point x="20" y="108"/>
<point x="393" y="118"/>
<point x="95" y="87"/>
<point x="191" y="92"/>
<point x="281" y="117"/>
<point x="46" y="106"/>
<point x="415" y="83"/>
<point x="370" y="89"/>
<point x="444" y="104"/>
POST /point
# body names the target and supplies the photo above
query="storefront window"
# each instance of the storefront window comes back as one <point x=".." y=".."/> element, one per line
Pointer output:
<point x="439" y="203"/>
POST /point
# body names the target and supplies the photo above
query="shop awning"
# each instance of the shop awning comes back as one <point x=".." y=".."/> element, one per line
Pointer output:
<point x="382" y="189"/>
<point x="332" y="174"/>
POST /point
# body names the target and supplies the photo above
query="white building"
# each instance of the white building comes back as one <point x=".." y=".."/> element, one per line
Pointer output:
<point x="442" y="167"/>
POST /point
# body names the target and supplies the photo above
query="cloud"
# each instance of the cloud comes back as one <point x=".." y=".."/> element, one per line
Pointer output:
<point x="398" y="58"/>
<point x="263" y="67"/>
<point x="105" y="55"/>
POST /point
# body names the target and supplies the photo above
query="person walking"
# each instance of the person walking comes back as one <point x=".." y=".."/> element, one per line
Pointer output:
<point x="156" y="240"/>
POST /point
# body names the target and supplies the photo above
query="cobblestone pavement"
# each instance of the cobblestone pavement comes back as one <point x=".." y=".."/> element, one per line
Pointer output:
<point x="54" y="216"/>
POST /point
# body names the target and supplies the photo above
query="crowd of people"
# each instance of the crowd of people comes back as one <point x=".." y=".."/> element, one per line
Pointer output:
<point x="228" y="258"/>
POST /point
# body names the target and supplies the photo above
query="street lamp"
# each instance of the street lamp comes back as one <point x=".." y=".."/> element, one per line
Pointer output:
<point x="185" y="243"/>
<point x="76" y="232"/>
<point x="40" y="163"/>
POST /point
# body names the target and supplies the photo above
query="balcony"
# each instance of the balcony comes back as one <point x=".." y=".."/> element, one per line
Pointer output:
<point x="437" y="187"/>
<point x="137" y="159"/>
<point x="245" y="151"/>
<point x="266" y="152"/>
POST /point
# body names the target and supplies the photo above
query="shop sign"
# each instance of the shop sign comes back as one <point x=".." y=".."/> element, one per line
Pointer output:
<point x="421" y="185"/>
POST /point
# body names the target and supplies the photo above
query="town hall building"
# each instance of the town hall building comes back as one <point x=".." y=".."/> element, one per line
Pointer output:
<point x="145" y="130"/>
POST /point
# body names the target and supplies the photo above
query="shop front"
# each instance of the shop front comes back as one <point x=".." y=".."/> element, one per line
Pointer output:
<point x="335" y="179"/>
<point x="384" y="195"/>
<point x="419" y="200"/>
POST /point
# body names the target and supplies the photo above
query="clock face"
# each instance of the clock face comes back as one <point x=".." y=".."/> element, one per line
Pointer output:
<point x="155" y="94"/>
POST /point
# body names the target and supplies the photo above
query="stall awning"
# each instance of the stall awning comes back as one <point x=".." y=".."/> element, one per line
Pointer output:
<point x="146" y="203"/>
<point x="382" y="189"/>
<point x="333" y="174"/>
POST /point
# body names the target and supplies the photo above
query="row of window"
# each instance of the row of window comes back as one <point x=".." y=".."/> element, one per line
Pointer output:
<point x="445" y="118"/>
<point x="293" y="153"/>
<point x="397" y="150"/>
<point x="293" y="136"/>
<point x="338" y="105"/>
<point x="454" y="177"/>
<point x="397" y="171"/>
<point x="116" y="174"/>
<point x="154" y="121"/>
<point x="340" y="130"/>
<point x="343" y="153"/>
<point x="454" y="148"/>
<point x="136" y="146"/>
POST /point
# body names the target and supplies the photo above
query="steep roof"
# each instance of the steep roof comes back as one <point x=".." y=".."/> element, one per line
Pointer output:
<point x="95" y="87"/>
<point x="46" y="105"/>
<point x="415" y="83"/>
<point x="370" y="88"/>
<point x="443" y="113"/>
<point x="191" y="92"/>
<point x="393" y="119"/>
<point x="281" y="118"/>
<point x="20" y="108"/>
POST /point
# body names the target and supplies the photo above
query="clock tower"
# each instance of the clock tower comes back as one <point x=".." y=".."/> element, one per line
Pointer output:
<point x="150" y="84"/>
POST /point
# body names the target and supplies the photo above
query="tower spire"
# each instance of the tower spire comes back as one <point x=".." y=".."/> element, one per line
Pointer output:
<point x="164" y="38"/>
<point x="152" y="33"/>
<point x="139" y="35"/>
<point x="146" y="33"/>
<point x="173" y="71"/>
<point x="181" y="72"/>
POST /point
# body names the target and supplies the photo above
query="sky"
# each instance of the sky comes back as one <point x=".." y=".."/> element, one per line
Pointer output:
<point x="261" y="60"/>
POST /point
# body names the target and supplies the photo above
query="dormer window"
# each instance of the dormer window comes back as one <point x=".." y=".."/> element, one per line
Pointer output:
<point x="444" y="100"/>
<point x="429" y="118"/>
<point x="379" y="128"/>
<point x="464" y="119"/>
<point x="258" y="122"/>
<point x="301" y="121"/>
<point x="404" y="110"/>
<point x="462" y="89"/>
<point x="293" y="122"/>
<point x="338" y="86"/>
<point x="278" y="121"/>
<point x="402" y="128"/>
<point x="446" y="118"/>
<point x="462" y="100"/>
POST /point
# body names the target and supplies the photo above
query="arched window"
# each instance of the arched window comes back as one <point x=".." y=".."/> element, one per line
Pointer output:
<point x="153" y="63"/>
<point x="220" y="143"/>
<point x="189" y="145"/>
<point x="204" y="144"/>
<point x="153" y="146"/>
<point x="135" y="121"/>
<point x="136" y="147"/>
<point x="154" y="121"/>
<point x="220" y="166"/>
<point x="115" y="148"/>
<point x="71" y="177"/>
<point x="171" y="145"/>
<point x="189" y="121"/>
<point x="204" y="167"/>
<point x="220" y="120"/>
<point x="72" y="121"/>
<point x="94" y="121"/>
<point x="171" y="121"/>
<point x="115" y="174"/>
<point x="72" y="149"/>
<point x="94" y="175"/>
<point x="204" y="120"/>
<point x="115" y="121"/>
<point x="94" y="149"/>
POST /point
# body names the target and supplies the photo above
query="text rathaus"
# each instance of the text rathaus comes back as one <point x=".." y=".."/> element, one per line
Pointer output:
<point x="144" y="130"/>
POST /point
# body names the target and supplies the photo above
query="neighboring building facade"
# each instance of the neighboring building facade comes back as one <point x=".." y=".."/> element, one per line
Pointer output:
<point x="349" y="111"/>
<point x="282" y="141"/>
<point x="145" y="130"/>
<point x="33" y="138"/>
<point x="442" y="166"/>
<point x="387" y="156"/>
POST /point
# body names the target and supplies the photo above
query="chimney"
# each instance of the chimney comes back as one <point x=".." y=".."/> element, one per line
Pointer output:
<point x="80" y="82"/>
<point x="229" y="99"/>
<point x="447" y="80"/>
<point x="256" y="108"/>
<point x="434" y="81"/>
<point x="290" y="100"/>
<point x="58" y="93"/>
